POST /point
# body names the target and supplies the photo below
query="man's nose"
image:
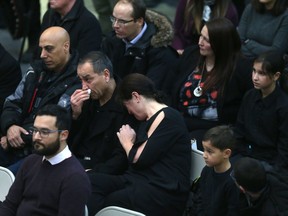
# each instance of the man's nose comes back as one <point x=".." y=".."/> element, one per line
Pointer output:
<point x="43" y="54"/>
<point x="36" y="135"/>
<point x="84" y="85"/>
<point x="115" y="24"/>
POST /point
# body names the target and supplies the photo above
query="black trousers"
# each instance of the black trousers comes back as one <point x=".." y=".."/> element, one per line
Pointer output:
<point x="138" y="195"/>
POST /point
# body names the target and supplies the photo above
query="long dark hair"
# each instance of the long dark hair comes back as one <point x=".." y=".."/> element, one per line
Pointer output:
<point x="226" y="44"/>
<point x="194" y="12"/>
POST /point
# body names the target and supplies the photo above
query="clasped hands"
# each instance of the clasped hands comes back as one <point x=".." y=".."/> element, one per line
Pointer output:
<point x="127" y="137"/>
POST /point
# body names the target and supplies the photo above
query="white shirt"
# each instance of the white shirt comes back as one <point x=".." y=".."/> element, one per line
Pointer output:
<point x="61" y="156"/>
<point x="137" y="38"/>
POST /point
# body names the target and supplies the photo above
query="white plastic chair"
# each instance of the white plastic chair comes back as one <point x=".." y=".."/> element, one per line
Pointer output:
<point x="117" y="211"/>
<point x="86" y="211"/>
<point x="6" y="180"/>
<point x="197" y="163"/>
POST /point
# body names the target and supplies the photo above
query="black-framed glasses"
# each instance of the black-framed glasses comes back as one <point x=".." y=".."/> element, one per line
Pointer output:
<point x="120" y="22"/>
<point x="42" y="132"/>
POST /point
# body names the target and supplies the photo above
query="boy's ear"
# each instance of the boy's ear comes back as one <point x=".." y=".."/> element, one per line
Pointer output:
<point x="276" y="76"/>
<point x="227" y="153"/>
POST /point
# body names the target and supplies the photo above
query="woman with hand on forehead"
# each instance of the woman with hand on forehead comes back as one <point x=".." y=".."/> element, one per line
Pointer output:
<point x="212" y="79"/>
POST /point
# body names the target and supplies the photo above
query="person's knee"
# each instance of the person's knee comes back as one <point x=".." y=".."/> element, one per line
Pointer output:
<point x="15" y="166"/>
<point x="4" y="158"/>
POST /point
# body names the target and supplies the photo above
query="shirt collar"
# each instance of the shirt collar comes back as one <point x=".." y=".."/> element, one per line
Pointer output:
<point x="269" y="100"/>
<point x="61" y="156"/>
<point x="137" y="38"/>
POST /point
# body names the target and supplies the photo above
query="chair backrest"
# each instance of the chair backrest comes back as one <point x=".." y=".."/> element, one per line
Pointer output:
<point x="197" y="164"/>
<point x="86" y="211"/>
<point x="117" y="211"/>
<point x="6" y="180"/>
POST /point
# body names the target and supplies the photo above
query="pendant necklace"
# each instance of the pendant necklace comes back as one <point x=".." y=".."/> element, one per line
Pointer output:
<point x="198" y="90"/>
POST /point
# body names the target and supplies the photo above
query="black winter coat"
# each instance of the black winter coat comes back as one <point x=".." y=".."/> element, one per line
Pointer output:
<point x="20" y="107"/>
<point x="151" y="55"/>
<point x="273" y="200"/>
<point x="82" y="26"/>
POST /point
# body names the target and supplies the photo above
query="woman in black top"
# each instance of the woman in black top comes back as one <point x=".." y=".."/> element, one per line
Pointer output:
<point x="262" y="123"/>
<point x="212" y="79"/>
<point x="157" y="180"/>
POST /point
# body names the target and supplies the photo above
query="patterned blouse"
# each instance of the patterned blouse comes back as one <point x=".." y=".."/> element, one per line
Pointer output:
<point x="203" y="106"/>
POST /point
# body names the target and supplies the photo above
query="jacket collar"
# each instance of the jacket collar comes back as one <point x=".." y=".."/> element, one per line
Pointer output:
<point x="73" y="14"/>
<point x="163" y="28"/>
<point x="159" y="32"/>
<point x="71" y="66"/>
<point x="267" y="101"/>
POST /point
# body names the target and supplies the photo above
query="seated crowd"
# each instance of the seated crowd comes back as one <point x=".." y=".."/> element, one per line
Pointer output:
<point x="117" y="118"/>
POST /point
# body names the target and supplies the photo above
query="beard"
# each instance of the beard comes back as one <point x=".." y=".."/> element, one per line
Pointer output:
<point x="45" y="150"/>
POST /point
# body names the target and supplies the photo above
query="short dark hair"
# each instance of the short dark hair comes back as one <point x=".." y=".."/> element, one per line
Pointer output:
<point x="139" y="8"/>
<point x="250" y="174"/>
<point x="63" y="117"/>
<point x="141" y="84"/>
<point x="221" y="137"/>
<point x="273" y="62"/>
<point x="99" y="61"/>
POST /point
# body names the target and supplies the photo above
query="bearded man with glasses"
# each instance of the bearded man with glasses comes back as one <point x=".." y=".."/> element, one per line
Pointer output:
<point x="52" y="181"/>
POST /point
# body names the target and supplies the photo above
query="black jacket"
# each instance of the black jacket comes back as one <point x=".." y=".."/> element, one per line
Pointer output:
<point x="82" y="26"/>
<point x="228" y="103"/>
<point x="273" y="200"/>
<point x="261" y="127"/>
<point x="20" y="107"/>
<point x="93" y="136"/>
<point x="10" y="75"/>
<point x="151" y="55"/>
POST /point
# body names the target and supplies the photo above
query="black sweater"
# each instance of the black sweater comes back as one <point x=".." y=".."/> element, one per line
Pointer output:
<point x="48" y="190"/>
<point x="219" y="194"/>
